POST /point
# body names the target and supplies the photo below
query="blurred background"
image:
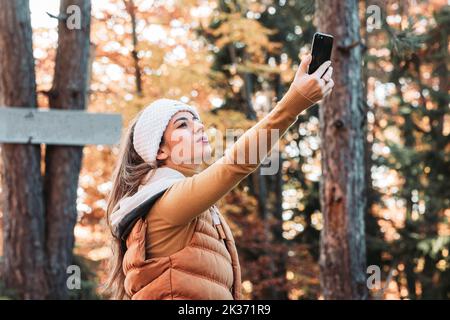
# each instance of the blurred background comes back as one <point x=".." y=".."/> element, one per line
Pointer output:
<point x="233" y="60"/>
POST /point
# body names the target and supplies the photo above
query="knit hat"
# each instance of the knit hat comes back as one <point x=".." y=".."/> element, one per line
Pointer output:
<point x="152" y="123"/>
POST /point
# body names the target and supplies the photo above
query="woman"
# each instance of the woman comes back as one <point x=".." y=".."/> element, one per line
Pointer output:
<point x="171" y="241"/>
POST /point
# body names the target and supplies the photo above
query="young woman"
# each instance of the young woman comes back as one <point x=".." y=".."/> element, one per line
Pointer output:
<point x="170" y="240"/>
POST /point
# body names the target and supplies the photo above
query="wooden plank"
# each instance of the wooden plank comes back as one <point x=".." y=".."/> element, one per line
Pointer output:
<point x="58" y="127"/>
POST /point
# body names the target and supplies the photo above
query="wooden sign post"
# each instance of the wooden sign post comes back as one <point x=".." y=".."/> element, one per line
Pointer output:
<point x="58" y="127"/>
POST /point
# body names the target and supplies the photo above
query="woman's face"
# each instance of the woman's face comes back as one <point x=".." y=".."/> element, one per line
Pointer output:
<point x="185" y="141"/>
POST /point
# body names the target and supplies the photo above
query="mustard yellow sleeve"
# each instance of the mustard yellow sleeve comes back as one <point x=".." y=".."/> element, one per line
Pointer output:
<point x="188" y="198"/>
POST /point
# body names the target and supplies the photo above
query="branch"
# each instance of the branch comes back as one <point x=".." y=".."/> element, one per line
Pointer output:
<point x="345" y="46"/>
<point x="59" y="18"/>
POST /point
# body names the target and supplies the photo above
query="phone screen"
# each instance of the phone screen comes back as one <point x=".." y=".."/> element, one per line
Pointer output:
<point x="321" y="50"/>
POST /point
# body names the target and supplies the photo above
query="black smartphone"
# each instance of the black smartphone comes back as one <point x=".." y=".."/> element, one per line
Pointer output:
<point x="321" y="50"/>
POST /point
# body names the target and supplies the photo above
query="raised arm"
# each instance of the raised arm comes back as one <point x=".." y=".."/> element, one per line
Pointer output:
<point x="190" y="197"/>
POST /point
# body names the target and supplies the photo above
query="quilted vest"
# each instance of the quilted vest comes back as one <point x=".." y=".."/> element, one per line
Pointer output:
<point x="206" y="269"/>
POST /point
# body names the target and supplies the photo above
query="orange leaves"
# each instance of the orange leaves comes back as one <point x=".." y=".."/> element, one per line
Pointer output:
<point x="237" y="29"/>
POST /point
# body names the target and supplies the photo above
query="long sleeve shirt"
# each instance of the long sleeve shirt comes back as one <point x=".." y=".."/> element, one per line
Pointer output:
<point x="171" y="219"/>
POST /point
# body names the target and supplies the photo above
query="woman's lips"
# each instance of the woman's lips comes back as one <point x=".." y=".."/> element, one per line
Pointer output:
<point x="203" y="139"/>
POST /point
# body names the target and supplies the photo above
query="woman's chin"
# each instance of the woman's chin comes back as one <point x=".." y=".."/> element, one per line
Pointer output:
<point x="207" y="152"/>
<point x="204" y="156"/>
<point x="207" y="156"/>
<point x="202" y="153"/>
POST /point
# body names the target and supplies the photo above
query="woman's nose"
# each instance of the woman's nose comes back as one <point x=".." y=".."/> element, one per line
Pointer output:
<point x="198" y="126"/>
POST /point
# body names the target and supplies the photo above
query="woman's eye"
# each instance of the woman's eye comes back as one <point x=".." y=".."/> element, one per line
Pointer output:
<point x="184" y="124"/>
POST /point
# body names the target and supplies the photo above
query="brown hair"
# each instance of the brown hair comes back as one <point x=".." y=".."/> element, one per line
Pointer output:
<point x="129" y="171"/>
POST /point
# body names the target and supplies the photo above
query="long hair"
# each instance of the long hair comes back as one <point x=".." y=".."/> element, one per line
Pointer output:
<point x="129" y="171"/>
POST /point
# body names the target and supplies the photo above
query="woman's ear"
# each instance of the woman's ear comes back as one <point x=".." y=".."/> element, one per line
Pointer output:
<point x="162" y="154"/>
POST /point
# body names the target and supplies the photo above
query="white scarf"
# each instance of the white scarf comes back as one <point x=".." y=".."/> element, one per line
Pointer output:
<point x="154" y="183"/>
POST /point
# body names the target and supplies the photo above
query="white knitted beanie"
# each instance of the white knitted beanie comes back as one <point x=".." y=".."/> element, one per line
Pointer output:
<point x="152" y="123"/>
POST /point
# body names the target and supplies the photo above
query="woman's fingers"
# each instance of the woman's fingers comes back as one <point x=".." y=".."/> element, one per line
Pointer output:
<point x="328" y="87"/>
<point x="327" y="92"/>
<point x="321" y="70"/>
<point x="326" y="83"/>
<point x="328" y="74"/>
<point x="315" y="86"/>
<point x="322" y="83"/>
<point x="304" y="64"/>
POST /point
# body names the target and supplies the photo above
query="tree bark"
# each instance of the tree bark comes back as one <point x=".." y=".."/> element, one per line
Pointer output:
<point x="277" y="230"/>
<point x="23" y="207"/>
<point x="63" y="163"/>
<point x="131" y="9"/>
<point x="246" y="90"/>
<point x="343" y="250"/>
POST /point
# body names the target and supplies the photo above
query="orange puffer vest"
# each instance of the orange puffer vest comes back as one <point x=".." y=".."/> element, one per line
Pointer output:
<point x="207" y="268"/>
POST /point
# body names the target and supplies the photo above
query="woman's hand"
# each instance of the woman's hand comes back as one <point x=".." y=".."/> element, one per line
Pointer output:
<point x="313" y="86"/>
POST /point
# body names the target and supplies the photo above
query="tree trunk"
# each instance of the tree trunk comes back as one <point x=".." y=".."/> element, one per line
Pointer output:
<point x="246" y="90"/>
<point x="277" y="230"/>
<point x="343" y="251"/>
<point x="23" y="208"/>
<point x="131" y="9"/>
<point x="63" y="163"/>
